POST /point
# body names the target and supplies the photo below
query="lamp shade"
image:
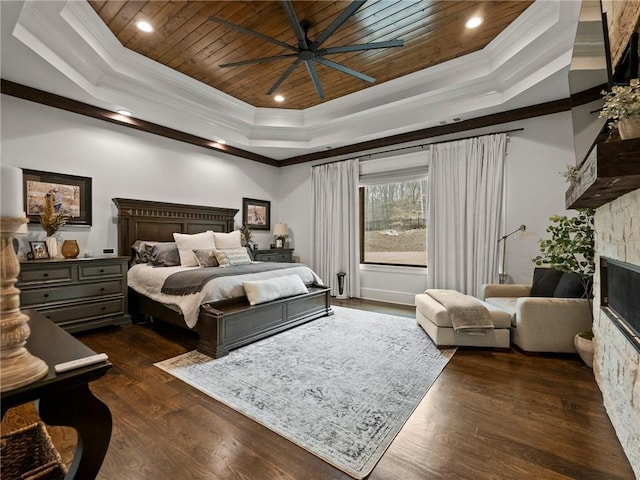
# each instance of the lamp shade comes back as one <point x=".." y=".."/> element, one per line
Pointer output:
<point x="281" y="230"/>
<point x="11" y="202"/>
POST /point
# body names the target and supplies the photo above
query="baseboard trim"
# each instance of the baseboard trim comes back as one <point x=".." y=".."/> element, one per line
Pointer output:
<point x="402" y="298"/>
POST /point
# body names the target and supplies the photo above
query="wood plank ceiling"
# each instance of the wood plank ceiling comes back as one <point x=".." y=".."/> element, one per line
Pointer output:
<point x="185" y="40"/>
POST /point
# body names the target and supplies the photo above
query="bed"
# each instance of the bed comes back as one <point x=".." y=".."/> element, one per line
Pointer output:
<point x="221" y="325"/>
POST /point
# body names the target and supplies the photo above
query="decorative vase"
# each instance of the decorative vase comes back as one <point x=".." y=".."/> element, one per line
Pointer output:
<point x="629" y="127"/>
<point x="70" y="249"/>
<point x="584" y="347"/>
<point x="52" y="246"/>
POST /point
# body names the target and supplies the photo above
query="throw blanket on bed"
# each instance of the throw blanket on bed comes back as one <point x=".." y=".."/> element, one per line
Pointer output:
<point x="468" y="315"/>
<point x="192" y="281"/>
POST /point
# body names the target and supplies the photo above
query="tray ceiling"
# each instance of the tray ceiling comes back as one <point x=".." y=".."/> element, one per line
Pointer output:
<point x="185" y="40"/>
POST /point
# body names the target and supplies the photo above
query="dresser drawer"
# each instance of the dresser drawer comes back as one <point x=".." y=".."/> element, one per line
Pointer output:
<point x="88" y="272"/>
<point x="53" y="274"/>
<point x="84" y="311"/>
<point x="267" y="257"/>
<point x="57" y="294"/>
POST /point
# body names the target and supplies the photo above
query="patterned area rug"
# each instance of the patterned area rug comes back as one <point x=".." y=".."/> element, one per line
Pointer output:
<point x="341" y="387"/>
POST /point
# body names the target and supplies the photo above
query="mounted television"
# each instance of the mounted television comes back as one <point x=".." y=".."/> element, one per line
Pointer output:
<point x="590" y="72"/>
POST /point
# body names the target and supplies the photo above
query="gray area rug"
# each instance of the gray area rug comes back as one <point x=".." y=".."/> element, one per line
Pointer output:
<point x="341" y="387"/>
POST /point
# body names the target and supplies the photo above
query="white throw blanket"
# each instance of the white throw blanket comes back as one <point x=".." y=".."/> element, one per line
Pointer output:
<point x="468" y="315"/>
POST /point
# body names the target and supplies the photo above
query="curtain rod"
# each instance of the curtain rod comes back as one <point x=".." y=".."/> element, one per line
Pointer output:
<point x="421" y="146"/>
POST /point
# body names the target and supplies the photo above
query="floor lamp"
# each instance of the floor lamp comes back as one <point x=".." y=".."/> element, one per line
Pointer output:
<point x="502" y="276"/>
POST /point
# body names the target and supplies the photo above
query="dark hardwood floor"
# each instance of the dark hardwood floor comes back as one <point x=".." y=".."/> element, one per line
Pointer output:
<point x="490" y="415"/>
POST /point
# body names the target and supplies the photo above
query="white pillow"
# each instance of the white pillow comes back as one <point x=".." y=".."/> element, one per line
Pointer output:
<point x="228" y="257"/>
<point x="228" y="240"/>
<point x="188" y="243"/>
<point x="260" y="291"/>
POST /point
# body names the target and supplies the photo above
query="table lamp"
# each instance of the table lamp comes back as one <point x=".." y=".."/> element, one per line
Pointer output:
<point x="17" y="365"/>
<point x="281" y="231"/>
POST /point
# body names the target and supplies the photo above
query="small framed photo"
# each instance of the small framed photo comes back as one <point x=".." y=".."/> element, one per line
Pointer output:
<point x="256" y="213"/>
<point x="280" y="242"/>
<point x="71" y="195"/>
<point x="39" y="250"/>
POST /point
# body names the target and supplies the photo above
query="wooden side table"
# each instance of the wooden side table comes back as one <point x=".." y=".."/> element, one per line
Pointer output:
<point x="274" y="255"/>
<point x="65" y="398"/>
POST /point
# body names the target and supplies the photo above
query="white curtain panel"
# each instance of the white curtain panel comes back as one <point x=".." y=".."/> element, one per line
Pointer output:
<point x="465" y="212"/>
<point x="334" y="240"/>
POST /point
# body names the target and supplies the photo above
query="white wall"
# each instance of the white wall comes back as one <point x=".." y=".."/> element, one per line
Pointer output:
<point x="535" y="190"/>
<point x="123" y="162"/>
<point x="127" y="163"/>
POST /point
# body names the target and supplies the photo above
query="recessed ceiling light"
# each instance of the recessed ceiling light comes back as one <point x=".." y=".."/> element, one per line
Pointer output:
<point x="474" y="22"/>
<point x="221" y="141"/>
<point x="126" y="113"/>
<point x="144" y="26"/>
<point x="279" y="98"/>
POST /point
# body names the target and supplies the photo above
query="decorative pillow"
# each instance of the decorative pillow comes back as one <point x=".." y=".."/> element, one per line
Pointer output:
<point x="260" y="291"/>
<point x="229" y="257"/>
<point x="206" y="258"/>
<point x="141" y="251"/>
<point x="138" y="252"/>
<point x="162" y="254"/>
<point x="545" y="281"/>
<point x="569" y="286"/>
<point x="228" y="240"/>
<point x="188" y="243"/>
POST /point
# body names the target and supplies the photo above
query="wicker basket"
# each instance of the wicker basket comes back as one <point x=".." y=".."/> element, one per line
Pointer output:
<point x="28" y="454"/>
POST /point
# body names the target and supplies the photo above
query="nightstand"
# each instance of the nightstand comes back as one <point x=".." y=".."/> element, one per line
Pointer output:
<point x="76" y="294"/>
<point x="274" y="255"/>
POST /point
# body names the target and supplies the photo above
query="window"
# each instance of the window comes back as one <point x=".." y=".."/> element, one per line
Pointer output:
<point x="393" y="223"/>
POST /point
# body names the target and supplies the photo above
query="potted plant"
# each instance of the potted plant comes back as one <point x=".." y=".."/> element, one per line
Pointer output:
<point x="571" y="248"/>
<point x="622" y="108"/>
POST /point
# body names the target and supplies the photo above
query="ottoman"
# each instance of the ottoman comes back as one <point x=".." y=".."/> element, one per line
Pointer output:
<point x="433" y="317"/>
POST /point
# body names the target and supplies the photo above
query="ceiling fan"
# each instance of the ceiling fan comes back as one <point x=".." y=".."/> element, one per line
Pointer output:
<point x="309" y="51"/>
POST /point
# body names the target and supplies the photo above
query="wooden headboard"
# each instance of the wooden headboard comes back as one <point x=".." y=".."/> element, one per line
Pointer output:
<point x="158" y="221"/>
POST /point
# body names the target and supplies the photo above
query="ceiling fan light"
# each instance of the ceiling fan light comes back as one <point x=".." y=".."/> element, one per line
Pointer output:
<point x="474" y="22"/>
<point x="279" y="98"/>
<point x="144" y="26"/>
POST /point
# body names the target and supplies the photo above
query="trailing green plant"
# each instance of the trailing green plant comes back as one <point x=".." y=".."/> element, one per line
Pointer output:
<point x="622" y="101"/>
<point x="571" y="247"/>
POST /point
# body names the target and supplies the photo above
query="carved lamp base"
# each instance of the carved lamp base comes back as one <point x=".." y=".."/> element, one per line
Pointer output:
<point x="17" y="366"/>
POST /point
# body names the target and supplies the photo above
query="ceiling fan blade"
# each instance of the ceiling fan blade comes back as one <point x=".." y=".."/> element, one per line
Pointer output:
<point x="340" y="19"/>
<point x="251" y="32"/>
<point x="286" y="73"/>
<point x="259" y="60"/>
<point x="362" y="46"/>
<point x="342" y="68"/>
<point x="293" y="20"/>
<point x="314" y="78"/>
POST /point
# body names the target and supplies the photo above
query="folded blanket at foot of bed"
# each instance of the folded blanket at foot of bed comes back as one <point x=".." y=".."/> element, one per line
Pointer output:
<point x="468" y="315"/>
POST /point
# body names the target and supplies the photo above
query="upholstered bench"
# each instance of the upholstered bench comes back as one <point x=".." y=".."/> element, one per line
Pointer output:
<point x="433" y="317"/>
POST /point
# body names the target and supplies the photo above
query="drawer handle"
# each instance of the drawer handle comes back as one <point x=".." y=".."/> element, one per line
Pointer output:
<point x="103" y="308"/>
<point x="102" y="289"/>
<point x="45" y="274"/>
<point x="46" y="295"/>
<point x="102" y="270"/>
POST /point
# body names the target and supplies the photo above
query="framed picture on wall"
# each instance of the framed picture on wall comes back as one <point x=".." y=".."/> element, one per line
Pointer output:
<point x="256" y="213"/>
<point x="71" y="195"/>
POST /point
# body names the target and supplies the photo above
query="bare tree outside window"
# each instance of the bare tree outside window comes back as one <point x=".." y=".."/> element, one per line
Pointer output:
<point x="395" y="231"/>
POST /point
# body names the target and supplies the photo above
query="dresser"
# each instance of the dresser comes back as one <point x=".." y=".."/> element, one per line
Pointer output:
<point x="76" y="294"/>
<point x="274" y="255"/>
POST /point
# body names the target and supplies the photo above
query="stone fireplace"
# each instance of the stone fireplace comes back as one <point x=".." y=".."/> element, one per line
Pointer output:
<point x="617" y="356"/>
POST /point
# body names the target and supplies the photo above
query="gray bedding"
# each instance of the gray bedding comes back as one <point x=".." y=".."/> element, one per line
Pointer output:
<point x="193" y="280"/>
